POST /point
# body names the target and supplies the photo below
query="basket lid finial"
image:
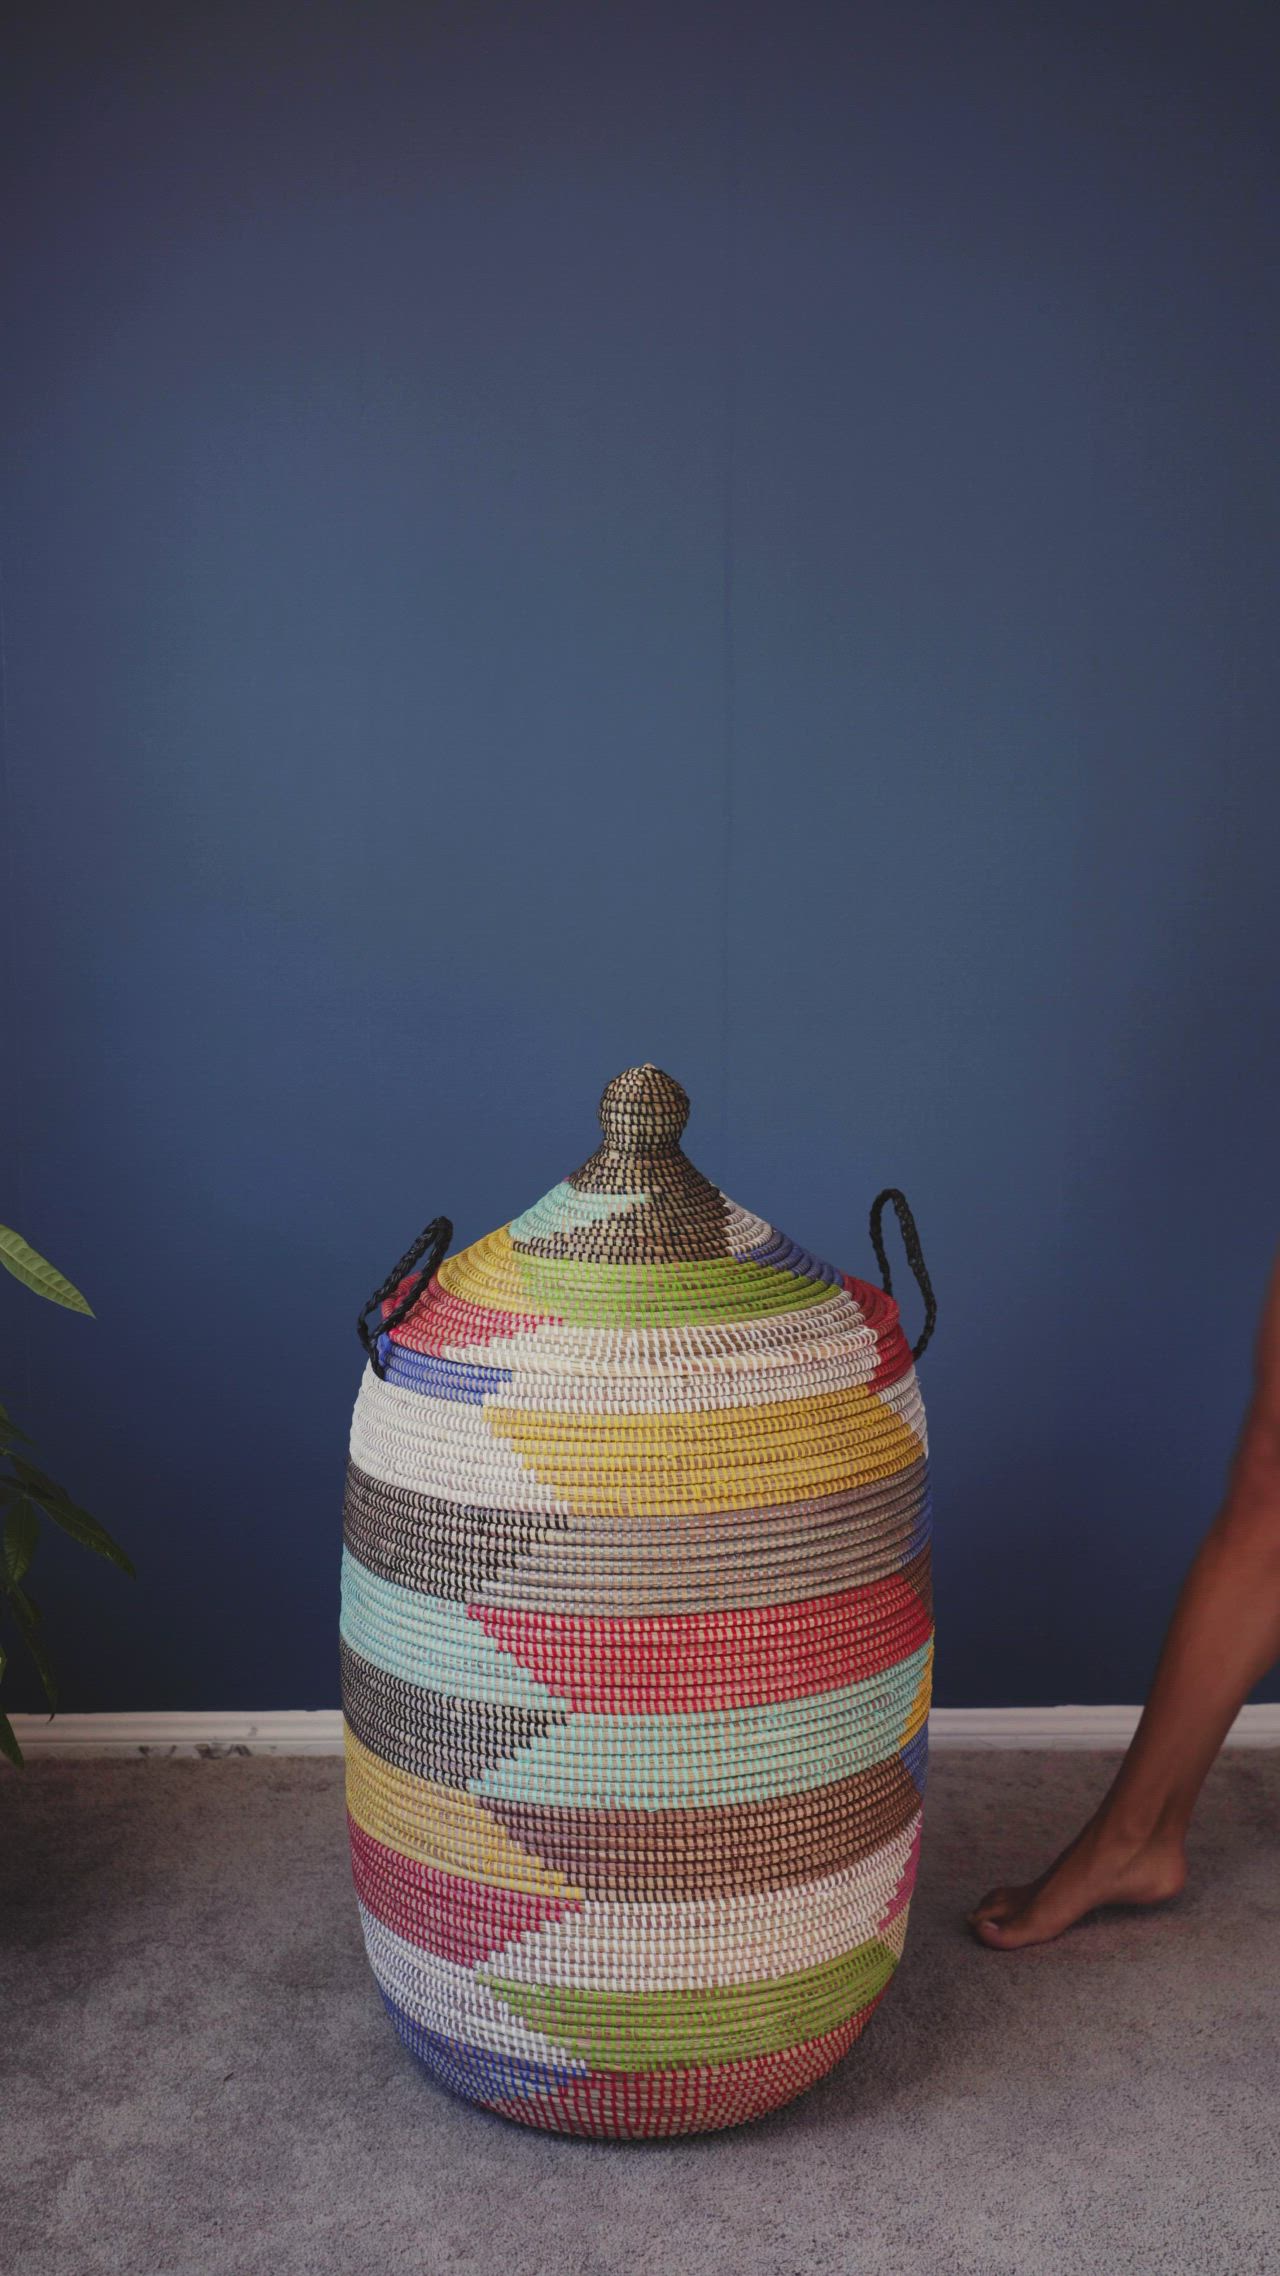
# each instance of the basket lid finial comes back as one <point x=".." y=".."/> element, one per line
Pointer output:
<point x="643" y="1109"/>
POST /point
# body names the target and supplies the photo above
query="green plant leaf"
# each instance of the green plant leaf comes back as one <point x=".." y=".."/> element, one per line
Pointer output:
<point x="37" y="1482"/>
<point x="34" y="1271"/>
<point x="28" y="1616"/>
<point x="9" y="1743"/>
<point x="87" y="1531"/>
<point x="61" y="1510"/>
<point x="21" y="1533"/>
<point x="10" y="1435"/>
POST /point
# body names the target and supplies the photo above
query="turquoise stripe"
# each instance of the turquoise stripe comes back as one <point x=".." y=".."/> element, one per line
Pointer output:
<point x="564" y="1209"/>
<point x="431" y="1642"/>
<point x="742" y="1754"/>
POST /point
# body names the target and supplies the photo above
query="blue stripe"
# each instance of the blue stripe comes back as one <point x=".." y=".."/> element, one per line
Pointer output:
<point x="784" y="1255"/>
<point x="463" y="1382"/>
<point x="477" y="2072"/>
<point x="915" y="1758"/>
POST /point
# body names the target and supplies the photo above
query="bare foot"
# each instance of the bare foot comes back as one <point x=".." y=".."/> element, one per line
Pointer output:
<point x="1099" y="1868"/>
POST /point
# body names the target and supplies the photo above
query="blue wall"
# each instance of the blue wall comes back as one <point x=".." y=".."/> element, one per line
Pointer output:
<point x="541" y="537"/>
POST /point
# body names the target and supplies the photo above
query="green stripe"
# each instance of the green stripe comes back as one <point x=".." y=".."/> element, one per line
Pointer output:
<point x="640" y="2031"/>
<point x="612" y="1294"/>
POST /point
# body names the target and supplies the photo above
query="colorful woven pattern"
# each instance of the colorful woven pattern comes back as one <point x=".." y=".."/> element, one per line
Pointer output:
<point x="636" y="1645"/>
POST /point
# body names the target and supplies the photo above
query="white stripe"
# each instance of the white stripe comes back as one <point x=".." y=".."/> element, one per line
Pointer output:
<point x="439" y="1446"/>
<point x="449" y="1448"/>
<point x="444" y="1996"/>
<point x="751" y="1347"/>
<point x="710" y="1941"/>
<point x="806" y="1376"/>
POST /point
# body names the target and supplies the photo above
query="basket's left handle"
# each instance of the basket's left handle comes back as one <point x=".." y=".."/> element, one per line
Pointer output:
<point x="915" y="1258"/>
<point x="436" y="1236"/>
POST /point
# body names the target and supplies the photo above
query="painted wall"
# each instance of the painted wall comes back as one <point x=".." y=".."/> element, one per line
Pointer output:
<point x="544" y="536"/>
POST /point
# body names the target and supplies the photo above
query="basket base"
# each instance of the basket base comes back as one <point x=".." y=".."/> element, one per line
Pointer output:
<point x="629" y="2106"/>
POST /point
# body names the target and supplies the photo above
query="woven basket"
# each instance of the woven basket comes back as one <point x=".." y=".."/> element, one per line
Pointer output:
<point x="636" y="1645"/>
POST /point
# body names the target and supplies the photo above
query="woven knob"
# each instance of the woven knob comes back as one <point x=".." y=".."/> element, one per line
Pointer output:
<point x="643" y="1109"/>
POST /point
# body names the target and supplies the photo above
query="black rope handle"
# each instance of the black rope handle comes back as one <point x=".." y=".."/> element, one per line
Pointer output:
<point x="915" y="1258"/>
<point x="436" y="1236"/>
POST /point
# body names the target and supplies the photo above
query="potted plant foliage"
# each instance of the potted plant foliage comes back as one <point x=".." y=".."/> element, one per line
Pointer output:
<point x="30" y="1498"/>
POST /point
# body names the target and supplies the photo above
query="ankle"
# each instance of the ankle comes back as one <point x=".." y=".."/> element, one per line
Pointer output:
<point x="1127" y="1827"/>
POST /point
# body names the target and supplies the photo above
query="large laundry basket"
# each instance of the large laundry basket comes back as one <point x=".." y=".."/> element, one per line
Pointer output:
<point x="636" y="1643"/>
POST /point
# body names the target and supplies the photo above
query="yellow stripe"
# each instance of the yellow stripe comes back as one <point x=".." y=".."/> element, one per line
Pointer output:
<point x="619" y="1465"/>
<point x="441" y="1826"/>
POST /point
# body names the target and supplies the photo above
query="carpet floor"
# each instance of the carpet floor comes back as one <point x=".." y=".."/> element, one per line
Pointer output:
<point x="198" y="2076"/>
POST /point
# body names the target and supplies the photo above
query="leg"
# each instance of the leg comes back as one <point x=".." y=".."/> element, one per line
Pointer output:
<point x="1224" y="1635"/>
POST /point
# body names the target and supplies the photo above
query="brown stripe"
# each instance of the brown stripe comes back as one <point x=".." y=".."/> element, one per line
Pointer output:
<point x="649" y="1855"/>
<point x="919" y="1576"/>
<point x="636" y="1567"/>
<point x="682" y="1215"/>
<point x="644" y="1566"/>
<point x="446" y="1548"/>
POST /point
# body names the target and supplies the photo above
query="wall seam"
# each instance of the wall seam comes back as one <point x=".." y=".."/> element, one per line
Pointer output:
<point x="728" y="655"/>
<point x="9" y="988"/>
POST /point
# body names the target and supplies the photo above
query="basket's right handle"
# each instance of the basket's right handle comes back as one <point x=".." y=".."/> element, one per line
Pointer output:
<point x="436" y="1236"/>
<point x="915" y="1258"/>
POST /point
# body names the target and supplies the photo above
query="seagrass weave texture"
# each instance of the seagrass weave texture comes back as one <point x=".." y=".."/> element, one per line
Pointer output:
<point x="636" y="1646"/>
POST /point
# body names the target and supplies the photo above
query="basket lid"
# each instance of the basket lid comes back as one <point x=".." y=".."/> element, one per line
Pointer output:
<point x="637" y="1261"/>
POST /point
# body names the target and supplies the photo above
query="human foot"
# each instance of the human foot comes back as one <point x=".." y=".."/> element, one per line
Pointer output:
<point x="1099" y="1868"/>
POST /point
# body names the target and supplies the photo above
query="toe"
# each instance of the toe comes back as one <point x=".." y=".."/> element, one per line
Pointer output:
<point x="999" y="1934"/>
<point x="993" y="1906"/>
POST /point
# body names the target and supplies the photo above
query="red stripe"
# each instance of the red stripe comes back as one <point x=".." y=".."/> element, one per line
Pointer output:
<point x="445" y="1913"/>
<point x="697" y="1662"/>
<point x="893" y="1352"/>
<point x="901" y="1897"/>
<point x="439" y="1322"/>
<point x="641" y="2104"/>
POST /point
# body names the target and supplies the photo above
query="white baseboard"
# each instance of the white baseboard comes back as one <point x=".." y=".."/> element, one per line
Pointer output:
<point x="301" y="1730"/>
<point x="319" y="1731"/>
<point x="1079" y="1727"/>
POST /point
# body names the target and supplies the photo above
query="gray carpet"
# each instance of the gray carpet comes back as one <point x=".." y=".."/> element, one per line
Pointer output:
<point x="198" y="2076"/>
